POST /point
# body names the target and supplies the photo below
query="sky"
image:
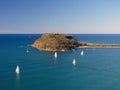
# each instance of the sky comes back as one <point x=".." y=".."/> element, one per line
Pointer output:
<point x="60" y="16"/>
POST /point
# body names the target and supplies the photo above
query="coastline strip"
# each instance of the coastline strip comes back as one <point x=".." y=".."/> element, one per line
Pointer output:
<point x="100" y="46"/>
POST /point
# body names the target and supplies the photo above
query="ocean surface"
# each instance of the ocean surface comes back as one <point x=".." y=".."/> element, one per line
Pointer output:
<point x="97" y="69"/>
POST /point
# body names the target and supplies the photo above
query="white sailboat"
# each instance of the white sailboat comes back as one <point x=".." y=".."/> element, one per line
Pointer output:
<point x="55" y="54"/>
<point x="74" y="62"/>
<point x="82" y="53"/>
<point x="17" y="70"/>
<point x="27" y="51"/>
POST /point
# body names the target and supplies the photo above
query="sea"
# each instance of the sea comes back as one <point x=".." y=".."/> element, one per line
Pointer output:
<point x="97" y="69"/>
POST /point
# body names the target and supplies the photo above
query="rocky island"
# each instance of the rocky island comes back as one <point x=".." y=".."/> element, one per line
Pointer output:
<point x="64" y="42"/>
<point x="56" y="42"/>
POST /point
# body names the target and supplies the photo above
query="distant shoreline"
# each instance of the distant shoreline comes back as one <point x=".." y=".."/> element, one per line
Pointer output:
<point x="99" y="46"/>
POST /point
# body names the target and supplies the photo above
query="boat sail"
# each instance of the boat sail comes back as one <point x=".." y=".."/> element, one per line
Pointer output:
<point x="17" y="70"/>
<point x="55" y="54"/>
<point x="74" y="62"/>
<point x="82" y="53"/>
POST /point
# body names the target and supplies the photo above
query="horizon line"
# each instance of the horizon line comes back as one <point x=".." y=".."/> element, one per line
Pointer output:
<point x="60" y="33"/>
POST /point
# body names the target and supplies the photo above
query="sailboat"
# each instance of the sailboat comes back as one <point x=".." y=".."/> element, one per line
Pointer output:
<point x="82" y="53"/>
<point x="17" y="70"/>
<point x="74" y="62"/>
<point x="55" y="54"/>
<point x="27" y="51"/>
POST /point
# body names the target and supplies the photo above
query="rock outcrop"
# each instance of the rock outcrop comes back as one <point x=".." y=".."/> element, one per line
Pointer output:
<point x="56" y="42"/>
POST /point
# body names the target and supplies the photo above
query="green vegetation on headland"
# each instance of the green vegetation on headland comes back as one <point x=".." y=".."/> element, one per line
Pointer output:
<point x="56" y="42"/>
<point x="64" y="42"/>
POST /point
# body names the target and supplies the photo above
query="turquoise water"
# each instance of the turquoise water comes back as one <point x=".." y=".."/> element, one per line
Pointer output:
<point x="98" y="69"/>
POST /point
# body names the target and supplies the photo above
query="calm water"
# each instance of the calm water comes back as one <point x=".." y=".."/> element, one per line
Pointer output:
<point x="98" y="69"/>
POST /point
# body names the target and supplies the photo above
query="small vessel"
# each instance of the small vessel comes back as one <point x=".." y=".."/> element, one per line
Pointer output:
<point x="82" y="53"/>
<point x="17" y="70"/>
<point x="55" y="54"/>
<point x="74" y="62"/>
<point x="27" y="51"/>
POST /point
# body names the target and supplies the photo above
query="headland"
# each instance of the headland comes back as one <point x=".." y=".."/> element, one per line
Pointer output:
<point x="65" y="42"/>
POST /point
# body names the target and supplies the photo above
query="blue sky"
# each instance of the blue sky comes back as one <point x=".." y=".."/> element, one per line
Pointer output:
<point x="60" y="16"/>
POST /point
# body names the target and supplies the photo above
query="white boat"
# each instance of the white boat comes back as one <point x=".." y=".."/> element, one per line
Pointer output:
<point x="82" y="53"/>
<point x="74" y="62"/>
<point x="55" y="54"/>
<point x="27" y="51"/>
<point x="17" y="70"/>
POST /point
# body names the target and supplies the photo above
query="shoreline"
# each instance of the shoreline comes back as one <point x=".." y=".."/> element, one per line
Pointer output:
<point x="85" y="45"/>
<point x="99" y="46"/>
